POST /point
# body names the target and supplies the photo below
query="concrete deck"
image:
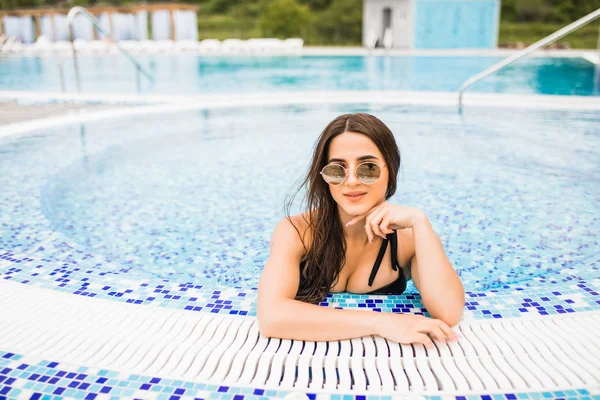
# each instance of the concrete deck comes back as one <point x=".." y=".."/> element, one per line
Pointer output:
<point x="13" y="112"/>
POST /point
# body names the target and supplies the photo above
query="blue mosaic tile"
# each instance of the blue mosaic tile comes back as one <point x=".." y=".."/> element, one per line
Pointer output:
<point x="513" y="261"/>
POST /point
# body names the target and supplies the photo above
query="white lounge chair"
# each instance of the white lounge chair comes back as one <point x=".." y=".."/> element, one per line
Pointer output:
<point x="62" y="47"/>
<point x="82" y="46"/>
<point x="185" y="45"/>
<point x="236" y="46"/>
<point x="129" y="45"/>
<point x="266" y="45"/>
<point x="388" y="39"/>
<point x="99" y="46"/>
<point x="371" y="40"/>
<point x="293" y="45"/>
<point x="164" y="46"/>
<point x="12" y="45"/>
<point x="209" y="46"/>
<point x="147" y="47"/>
<point x="42" y="46"/>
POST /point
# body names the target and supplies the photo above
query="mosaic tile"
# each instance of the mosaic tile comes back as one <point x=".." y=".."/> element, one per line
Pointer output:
<point x="66" y="225"/>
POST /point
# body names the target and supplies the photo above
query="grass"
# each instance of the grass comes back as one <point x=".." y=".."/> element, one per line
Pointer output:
<point x="585" y="37"/>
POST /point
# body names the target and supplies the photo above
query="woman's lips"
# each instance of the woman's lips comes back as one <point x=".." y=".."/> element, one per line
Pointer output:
<point x="354" y="198"/>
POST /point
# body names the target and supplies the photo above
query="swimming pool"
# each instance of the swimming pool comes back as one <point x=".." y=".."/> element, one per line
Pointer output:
<point x="177" y="210"/>
<point x="195" y="195"/>
<point x="193" y="75"/>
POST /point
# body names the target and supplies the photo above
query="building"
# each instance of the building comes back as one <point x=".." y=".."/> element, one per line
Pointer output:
<point x="431" y="24"/>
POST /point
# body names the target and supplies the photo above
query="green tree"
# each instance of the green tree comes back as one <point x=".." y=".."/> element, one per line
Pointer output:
<point x="317" y="4"/>
<point x="341" y="23"/>
<point x="249" y="9"/>
<point x="571" y="10"/>
<point x="534" y="10"/>
<point x="284" y="19"/>
<point x="508" y="11"/>
<point x="219" y="6"/>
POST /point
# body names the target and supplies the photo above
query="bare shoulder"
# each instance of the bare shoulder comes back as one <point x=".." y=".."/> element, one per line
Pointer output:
<point x="280" y="277"/>
<point x="292" y="233"/>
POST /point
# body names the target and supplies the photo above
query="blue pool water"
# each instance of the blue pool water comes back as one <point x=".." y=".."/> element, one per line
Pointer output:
<point x="189" y="74"/>
<point x="194" y="196"/>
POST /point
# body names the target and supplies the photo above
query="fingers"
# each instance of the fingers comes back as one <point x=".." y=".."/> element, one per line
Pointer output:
<point x="372" y="224"/>
<point x="424" y="339"/>
<point x="438" y="330"/>
<point x="356" y="219"/>
<point x="361" y="216"/>
<point x="450" y="334"/>
<point x="385" y="224"/>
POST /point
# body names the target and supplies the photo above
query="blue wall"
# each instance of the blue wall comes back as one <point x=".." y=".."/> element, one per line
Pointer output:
<point x="445" y="24"/>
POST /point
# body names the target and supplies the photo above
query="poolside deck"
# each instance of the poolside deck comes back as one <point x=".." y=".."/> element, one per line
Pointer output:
<point x="502" y="356"/>
<point x="12" y="112"/>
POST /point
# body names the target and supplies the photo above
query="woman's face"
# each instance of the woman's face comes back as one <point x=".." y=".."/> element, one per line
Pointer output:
<point x="349" y="150"/>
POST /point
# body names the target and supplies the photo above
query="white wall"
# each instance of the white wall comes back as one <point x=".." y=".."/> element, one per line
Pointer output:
<point x="402" y="21"/>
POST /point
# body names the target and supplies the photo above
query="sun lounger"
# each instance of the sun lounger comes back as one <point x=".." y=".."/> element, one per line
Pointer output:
<point x="12" y="45"/>
<point x="209" y="46"/>
<point x="185" y="45"/>
<point x="62" y="47"/>
<point x="164" y="46"/>
<point x="266" y="45"/>
<point x="234" y="46"/>
<point x="42" y="46"/>
<point x="146" y="47"/>
<point x="293" y="45"/>
<point x="99" y="47"/>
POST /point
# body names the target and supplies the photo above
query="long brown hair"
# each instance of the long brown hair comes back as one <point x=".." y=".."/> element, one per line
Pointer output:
<point x="327" y="255"/>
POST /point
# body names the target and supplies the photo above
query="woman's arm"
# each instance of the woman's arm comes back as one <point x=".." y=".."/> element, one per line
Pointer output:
<point x="440" y="287"/>
<point x="441" y="290"/>
<point x="280" y="315"/>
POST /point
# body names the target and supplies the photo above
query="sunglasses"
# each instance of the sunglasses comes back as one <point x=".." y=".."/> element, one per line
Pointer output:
<point x="367" y="172"/>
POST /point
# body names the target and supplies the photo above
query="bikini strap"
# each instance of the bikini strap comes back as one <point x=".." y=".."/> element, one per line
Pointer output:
<point x="378" y="261"/>
<point x="394" y="250"/>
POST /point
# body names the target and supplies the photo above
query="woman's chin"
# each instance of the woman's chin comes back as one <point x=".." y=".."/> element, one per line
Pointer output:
<point x="356" y="209"/>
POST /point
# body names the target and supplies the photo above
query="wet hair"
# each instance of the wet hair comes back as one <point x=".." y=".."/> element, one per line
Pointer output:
<point x="327" y="255"/>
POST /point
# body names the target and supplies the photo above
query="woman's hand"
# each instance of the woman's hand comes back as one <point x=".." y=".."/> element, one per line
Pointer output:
<point x="385" y="218"/>
<point x="412" y="328"/>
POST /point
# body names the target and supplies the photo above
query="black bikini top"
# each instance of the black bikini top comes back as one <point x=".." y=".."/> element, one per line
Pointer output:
<point x="396" y="287"/>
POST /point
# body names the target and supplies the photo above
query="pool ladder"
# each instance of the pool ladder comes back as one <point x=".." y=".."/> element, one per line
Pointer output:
<point x="81" y="10"/>
<point x="530" y="49"/>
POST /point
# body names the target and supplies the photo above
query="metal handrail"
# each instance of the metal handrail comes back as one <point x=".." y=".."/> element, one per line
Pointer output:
<point x="70" y="17"/>
<point x="540" y="43"/>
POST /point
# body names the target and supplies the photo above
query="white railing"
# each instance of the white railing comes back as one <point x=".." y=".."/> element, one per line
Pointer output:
<point x="540" y="43"/>
<point x="80" y="10"/>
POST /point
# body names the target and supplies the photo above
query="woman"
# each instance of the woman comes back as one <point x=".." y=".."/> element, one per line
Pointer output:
<point x="340" y="244"/>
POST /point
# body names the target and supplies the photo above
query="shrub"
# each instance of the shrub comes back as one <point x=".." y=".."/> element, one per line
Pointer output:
<point x="284" y="19"/>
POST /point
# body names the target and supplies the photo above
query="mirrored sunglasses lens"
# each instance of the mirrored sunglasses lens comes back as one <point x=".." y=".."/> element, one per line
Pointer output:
<point x="334" y="174"/>
<point x="368" y="172"/>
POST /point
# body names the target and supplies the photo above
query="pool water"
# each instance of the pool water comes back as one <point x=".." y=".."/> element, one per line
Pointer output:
<point x="194" y="196"/>
<point x="197" y="75"/>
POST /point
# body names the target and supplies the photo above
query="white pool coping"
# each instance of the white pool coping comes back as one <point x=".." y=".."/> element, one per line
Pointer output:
<point x="170" y="104"/>
<point x="525" y="354"/>
<point x="500" y="52"/>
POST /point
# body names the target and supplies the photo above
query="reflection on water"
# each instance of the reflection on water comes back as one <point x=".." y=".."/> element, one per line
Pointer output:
<point x="188" y="74"/>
